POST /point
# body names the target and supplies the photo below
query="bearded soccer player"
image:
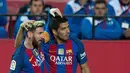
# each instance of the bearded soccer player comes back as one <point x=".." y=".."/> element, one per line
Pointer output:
<point x="29" y="57"/>
<point x="65" y="52"/>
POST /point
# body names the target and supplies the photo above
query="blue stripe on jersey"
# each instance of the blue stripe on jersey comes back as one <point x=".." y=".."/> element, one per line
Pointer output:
<point x="61" y="68"/>
<point x="45" y="48"/>
<point x="75" y="50"/>
<point x="42" y="67"/>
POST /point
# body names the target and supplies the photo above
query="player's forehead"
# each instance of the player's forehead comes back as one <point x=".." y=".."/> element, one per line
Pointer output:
<point x="39" y="29"/>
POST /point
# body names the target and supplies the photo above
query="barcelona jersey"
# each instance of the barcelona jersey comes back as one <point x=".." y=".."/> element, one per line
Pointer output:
<point x="27" y="61"/>
<point x="64" y="58"/>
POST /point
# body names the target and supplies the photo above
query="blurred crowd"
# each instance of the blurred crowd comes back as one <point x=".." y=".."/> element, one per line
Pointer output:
<point x="100" y="27"/>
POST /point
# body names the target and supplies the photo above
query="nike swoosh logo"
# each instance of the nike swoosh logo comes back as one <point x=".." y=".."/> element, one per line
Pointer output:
<point x="51" y="51"/>
<point x="31" y="58"/>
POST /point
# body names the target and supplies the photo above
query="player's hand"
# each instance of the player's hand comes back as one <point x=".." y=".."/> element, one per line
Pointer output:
<point x="26" y="24"/>
<point x="55" y="10"/>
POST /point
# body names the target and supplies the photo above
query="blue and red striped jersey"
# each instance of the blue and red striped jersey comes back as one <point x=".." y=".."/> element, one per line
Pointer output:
<point x="64" y="57"/>
<point x="27" y="61"/>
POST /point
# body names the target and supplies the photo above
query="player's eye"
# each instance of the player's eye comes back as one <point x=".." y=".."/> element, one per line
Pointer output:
<point x="64" y="28"/>
<point x="40" y="32"/>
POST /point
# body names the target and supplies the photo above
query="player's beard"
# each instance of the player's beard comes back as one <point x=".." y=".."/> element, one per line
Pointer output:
<point x="61" y="39"/>
<point x="36" y="45"/>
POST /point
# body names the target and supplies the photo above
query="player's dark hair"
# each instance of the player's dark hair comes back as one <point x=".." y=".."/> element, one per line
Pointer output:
<point x="100" y="2"/>
<point x="56" y="21"/>
<point x="31" y="1"/>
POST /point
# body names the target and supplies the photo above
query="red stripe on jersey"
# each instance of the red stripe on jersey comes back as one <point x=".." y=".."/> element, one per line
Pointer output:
<point x="32" y="60"/>
<point x="45" y="69"/>
<point x="53" y="52"/>
<point x="69" y="55"/>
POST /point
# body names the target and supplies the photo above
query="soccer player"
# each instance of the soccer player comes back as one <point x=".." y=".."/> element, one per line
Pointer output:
<point x="64" y="52"/>
<point x="29" y="57"/>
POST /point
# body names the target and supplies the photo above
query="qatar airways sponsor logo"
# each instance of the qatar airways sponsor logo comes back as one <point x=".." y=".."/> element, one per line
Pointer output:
<point x="61" y="60"/>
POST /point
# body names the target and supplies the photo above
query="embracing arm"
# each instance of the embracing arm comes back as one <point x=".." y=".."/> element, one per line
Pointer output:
<point x="84" y="68"/>
<point x="19" y="37"/>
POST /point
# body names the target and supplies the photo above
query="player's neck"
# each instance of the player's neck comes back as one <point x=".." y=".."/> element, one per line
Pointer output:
<point x="59" y="41"/>
<point x="28" y="43"/>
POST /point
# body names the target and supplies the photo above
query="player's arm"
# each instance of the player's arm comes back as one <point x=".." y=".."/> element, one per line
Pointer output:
<point x="19" y="37"/>
<point x="16" y="65"/>
<point x="82" y="58"/>
<point x="20" y="33"/>
<point x="84" y="68"/>
<point x="14" y="68"/>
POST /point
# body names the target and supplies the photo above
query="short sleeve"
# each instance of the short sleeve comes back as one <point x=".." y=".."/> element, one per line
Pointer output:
<point x="17" y="62"/>
<point x="81" y="56"/>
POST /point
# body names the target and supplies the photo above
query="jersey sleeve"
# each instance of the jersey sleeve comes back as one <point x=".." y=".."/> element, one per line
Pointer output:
<point x="81" y="56"/>
<point x="17" y="62"/>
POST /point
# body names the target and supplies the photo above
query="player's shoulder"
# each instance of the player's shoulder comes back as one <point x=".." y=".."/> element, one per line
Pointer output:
<point x="19" y="52"/>
<point x="17" y="59"/>
<point x="76" y="41"/>
<point x="45" y="45"/>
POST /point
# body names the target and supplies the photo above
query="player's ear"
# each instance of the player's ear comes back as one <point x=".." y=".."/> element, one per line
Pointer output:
<point x="54" y="32"/>
<point x="29" y="34"/>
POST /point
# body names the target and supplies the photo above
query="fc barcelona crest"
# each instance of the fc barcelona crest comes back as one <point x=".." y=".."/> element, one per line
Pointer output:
<point x="69" y="51"/>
